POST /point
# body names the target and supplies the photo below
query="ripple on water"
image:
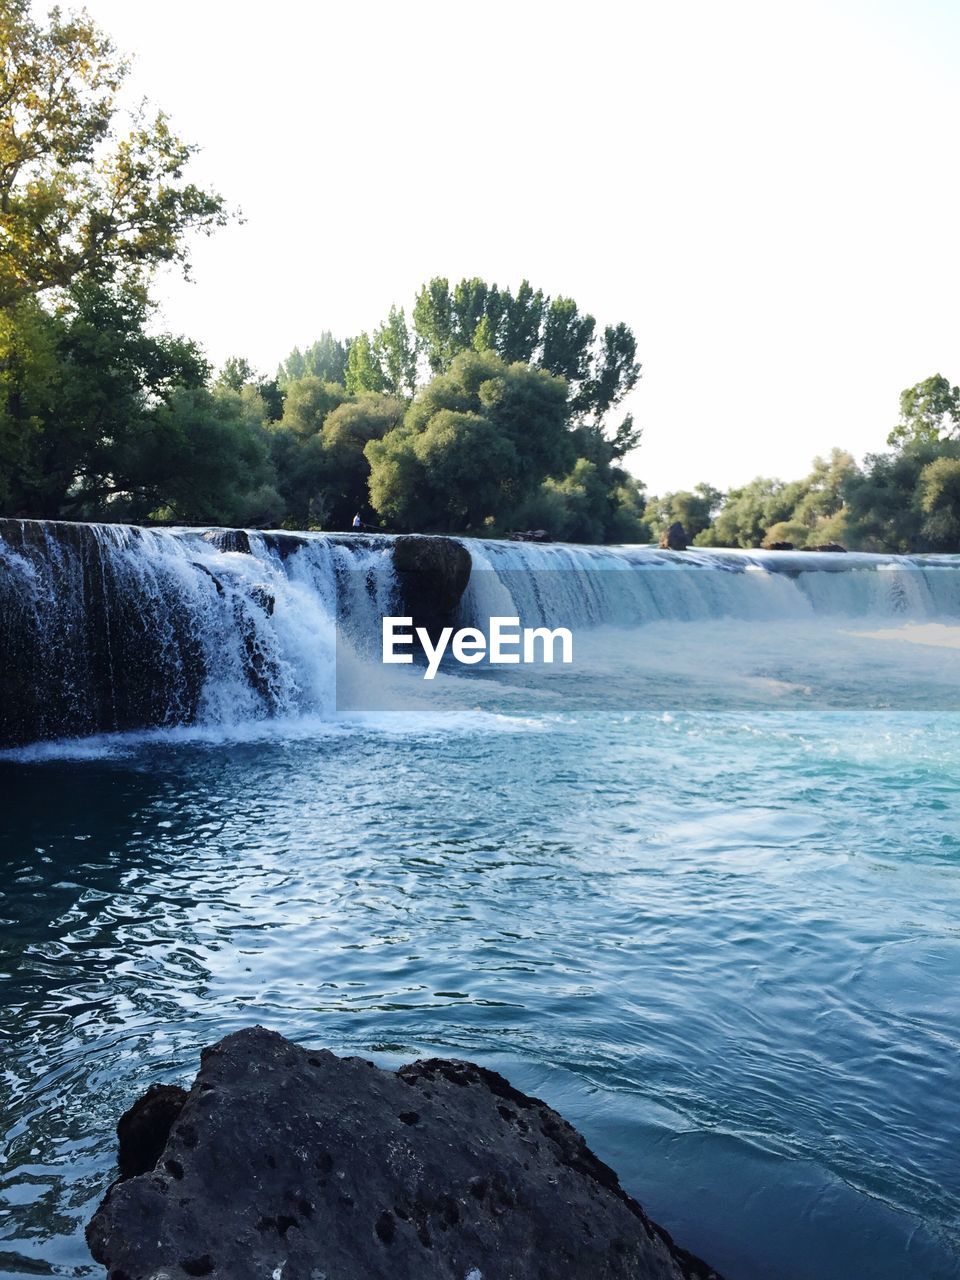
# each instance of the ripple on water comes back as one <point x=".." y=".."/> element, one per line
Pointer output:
<point x="725" y="945"/>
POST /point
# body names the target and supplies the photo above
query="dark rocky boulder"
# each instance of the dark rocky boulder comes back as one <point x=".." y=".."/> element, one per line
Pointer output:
<point x="292" y="1163"/>
<point x="432" y="574"/>
<point x="142" y="1132"/>
<point x="530" y="535"/>
<point x="283" y="544"/>
<point x="675" y="538"/>
<point x="229" y="540"/>
<point x="827" y="546"/>
<point x="779" y="546"/>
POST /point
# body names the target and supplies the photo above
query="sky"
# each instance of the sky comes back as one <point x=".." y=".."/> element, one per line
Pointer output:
<point x="767" y="193"/>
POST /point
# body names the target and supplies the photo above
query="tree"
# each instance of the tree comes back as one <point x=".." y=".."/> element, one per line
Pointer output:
<point x="363" y="367"/>
<point x="531" y="329"/>
<point x="787" y="531"/>
<point x="882" y="511"/>
<point x="79" y="384"/>
<point x="518" y="335"/>
<point x="616" y="371"/>
<point x="476" y="442"/>
<point x="346" y="432"/>
<point x="474" y="302"/>
<point x="396" y="354"/>
<point x="693" y="509"/>
<point x="526" y="405"/>
<point x="325" y="359"/>
<point x="80" y="197"/>
<point x="201" y="457"/>
<point x="307" y="403"/>
<point x="747" y="513"/>
<point x="433" y="322"/>
<point x="317" y="450"/>
<point x="567" y="339"/>
<point x="940" y="502"/>
<point x="236" y="373"/>
<point x="431" y="479"/>
<point x="929" y="412"/>
<point x="28" y="374"/>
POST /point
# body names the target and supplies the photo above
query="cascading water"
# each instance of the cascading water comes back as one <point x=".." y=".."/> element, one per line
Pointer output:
<point x="698" y="889"/>
<point x="107" y="628"/>
<point x="557" y="584"/>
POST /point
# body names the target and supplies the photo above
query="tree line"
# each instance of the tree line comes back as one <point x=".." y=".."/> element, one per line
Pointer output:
<point x="483" y="409"/>
<point x="905" y="498"/>
<point x="488" y="408"/>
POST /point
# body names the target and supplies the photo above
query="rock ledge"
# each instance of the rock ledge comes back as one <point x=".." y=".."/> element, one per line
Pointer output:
<point x="285" y="1163"/>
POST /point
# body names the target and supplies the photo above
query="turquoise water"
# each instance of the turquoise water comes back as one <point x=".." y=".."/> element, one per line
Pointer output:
<point x="700" y="892"/>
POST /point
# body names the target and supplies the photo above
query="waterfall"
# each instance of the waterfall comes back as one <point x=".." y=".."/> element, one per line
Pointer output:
<point x="561" y="585"/>
<point x="107" y="628"/>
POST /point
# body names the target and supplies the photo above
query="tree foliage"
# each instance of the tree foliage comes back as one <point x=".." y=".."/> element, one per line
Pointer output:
<point x="929" y="413"/>
<point x="83" y="194"/>
<point x="526" y="327"/>
<point x="325" y="359"/>
<point x="694" y="509"/>
<point x="396" y="355"/>
<point x="363" y="367"/>
<point x="318" y="451"/>
<point x="474" y="443"/>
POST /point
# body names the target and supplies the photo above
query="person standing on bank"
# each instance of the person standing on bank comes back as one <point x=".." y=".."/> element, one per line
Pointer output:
<point x="357" y="522"/>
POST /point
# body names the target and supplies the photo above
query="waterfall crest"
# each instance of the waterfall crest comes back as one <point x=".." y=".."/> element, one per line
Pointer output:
<point x="107" y="628"/>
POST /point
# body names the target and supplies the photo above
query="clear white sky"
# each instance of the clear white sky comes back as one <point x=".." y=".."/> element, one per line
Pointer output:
<point x="766" y="192"/>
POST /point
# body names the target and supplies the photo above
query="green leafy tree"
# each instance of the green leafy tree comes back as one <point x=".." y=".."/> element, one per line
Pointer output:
<point x="615" y="372"/>
<point x="430" y="479"/>
<point x="201" y="457"/>
<point x="318" y="451"/>
<point x="298" y="451"/>
<point x="693" y="509"/>
<point x="395" y="351"/>
<point x="29" y="375"/>
<point x="473" y="444"/>
<point x="748" y="512"/>
<point x="587" y="505"/>
<point x="529" y="328"/>
<point x="881" y="509"/>
<point x="347" y="431"/>
<point x="518" y="334"/>
<point x="363" y="367"/>
<point x="325" y="359"/>
<point x="434" y="324"/>
<point x="236" y="373"/>
<point x="526" y="405"/>
<point x="939" y="492"/>
<point x="791" y="531"/>
<point x="474" y="302"/>
<point x="307" y="403"/>
<point x="80" y="382"/>
<point x="929" y="412"/>
<point x="82" y="197"/>
<point x="567" y="341"/>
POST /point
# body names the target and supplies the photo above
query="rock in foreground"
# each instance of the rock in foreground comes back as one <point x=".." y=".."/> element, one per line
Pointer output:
<point x="292" y="1164"/>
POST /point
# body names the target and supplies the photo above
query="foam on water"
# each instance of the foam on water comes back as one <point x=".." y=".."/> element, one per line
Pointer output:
<point x="160" y="627"/>
<point x="699" y="891"/>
